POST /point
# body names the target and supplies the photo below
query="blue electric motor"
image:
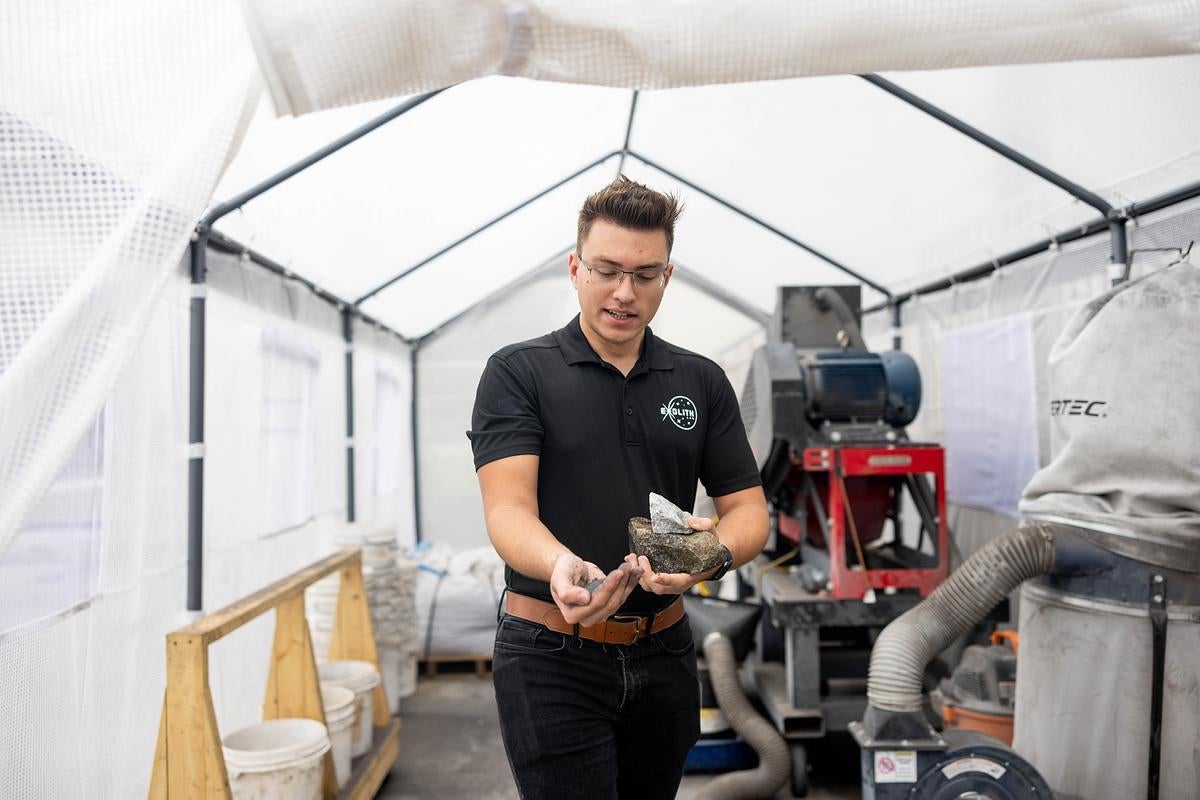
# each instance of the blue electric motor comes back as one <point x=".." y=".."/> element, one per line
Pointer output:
<point x="854" y="385"/>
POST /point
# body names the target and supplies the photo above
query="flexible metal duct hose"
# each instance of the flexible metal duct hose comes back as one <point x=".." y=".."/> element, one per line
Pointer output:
<point x="774" y="760"/>
<point x="829" y="300"/>
<point x="910" y="642"/>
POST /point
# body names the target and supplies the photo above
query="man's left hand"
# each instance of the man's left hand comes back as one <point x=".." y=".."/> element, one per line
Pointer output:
<point x="675" y="582"/>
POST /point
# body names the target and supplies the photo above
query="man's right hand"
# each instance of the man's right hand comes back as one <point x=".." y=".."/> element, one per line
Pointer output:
<point x="577" y="604"/>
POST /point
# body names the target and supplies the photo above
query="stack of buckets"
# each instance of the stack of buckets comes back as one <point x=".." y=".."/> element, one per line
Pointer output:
<point x="281" y="759"/>
<point x="391" y="584"/>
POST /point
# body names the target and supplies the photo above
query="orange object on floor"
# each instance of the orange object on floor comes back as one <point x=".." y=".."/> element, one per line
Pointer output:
<point x="998" y="725"/>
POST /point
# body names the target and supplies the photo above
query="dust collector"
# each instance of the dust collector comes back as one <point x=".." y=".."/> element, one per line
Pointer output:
<point x="1109" y="565"/>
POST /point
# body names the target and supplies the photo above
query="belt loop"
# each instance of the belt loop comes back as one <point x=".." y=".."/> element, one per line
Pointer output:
<point x="500" y="605"/>
<point x="575" y="636"/>
<point x="650" y="623"/>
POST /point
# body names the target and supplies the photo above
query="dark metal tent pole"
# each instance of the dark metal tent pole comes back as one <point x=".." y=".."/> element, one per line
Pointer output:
<point x="747" y="215"/>
<point x="1114" y="217"/>
<point x="1132" y="211"/>
<point x="348" y="338"/>
<point x="416" y="444"/>
<point x="199" y="253"/>
<point x="628" y="132"/>
<point x="428" y="259"/>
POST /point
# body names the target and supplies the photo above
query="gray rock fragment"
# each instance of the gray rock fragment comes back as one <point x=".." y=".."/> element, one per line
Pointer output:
<point x="697" y="551"/>
<point x="666" y="517"/>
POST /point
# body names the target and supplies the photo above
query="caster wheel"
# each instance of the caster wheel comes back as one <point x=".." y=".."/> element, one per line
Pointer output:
<point x="799" y="770"/>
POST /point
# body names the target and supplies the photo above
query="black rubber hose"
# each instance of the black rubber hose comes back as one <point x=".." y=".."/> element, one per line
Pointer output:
<point x="774" y="759"/>
<point x="910" y="642"/>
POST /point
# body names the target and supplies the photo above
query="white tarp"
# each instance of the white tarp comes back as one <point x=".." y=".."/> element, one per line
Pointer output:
<point x="324" y="53"/>
<point x="991" y="425"/>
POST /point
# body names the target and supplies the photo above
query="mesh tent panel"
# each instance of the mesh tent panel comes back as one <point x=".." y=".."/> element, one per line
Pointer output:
<point x="99" y="189"/>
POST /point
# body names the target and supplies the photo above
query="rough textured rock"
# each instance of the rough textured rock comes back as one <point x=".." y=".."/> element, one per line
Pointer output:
<point x="698" y="551"/>
<point x="666" y="517"/>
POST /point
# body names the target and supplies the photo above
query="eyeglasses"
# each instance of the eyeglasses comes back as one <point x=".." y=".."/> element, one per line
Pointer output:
<point x="646" y="277"/>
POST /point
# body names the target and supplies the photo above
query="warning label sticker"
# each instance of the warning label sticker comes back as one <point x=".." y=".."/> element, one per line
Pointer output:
<point x="895" y="766"/>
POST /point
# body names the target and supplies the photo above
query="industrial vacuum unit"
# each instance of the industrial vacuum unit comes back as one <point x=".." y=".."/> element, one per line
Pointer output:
<point x="826" y="420"/>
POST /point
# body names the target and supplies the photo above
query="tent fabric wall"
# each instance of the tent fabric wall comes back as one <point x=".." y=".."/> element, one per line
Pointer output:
<point x="320" y="54"/>
<point x="96" y="673"/>
<point x="381" y="355"/>
<point x="113" y="139"/>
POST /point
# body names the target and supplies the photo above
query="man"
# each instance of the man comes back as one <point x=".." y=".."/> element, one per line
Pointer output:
<point x="597" y="689"/>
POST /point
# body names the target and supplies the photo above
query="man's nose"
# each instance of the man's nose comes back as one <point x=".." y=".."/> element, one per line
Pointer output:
<point x="624" y="291"/>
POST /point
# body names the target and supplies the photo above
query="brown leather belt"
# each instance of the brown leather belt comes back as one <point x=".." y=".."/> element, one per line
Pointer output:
<point x="617" y="629"/>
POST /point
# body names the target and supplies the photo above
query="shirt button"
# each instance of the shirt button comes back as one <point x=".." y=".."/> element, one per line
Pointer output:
<point x="629" y="411"/>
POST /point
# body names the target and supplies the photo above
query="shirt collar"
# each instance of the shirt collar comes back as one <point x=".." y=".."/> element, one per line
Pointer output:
<point x="576" y="349"/>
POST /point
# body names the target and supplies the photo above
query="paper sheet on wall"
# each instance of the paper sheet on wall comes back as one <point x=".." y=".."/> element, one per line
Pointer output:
<point x="989" y="412"/>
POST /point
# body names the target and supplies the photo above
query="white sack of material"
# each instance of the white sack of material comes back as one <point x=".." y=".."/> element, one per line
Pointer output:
<point x="1125" y="422"/>
<point x="457" y="597"/>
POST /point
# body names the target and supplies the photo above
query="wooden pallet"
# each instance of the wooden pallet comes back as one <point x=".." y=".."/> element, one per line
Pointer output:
<point x="431" y="667"/>
<point x="189" y="761"/>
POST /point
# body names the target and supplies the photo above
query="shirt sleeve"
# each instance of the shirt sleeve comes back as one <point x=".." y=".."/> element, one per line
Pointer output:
<point x="728" y="464"/>
<point x="505" y="421"/>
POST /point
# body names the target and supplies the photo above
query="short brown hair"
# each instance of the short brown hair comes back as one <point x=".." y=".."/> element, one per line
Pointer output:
<point x="629" y="204"/>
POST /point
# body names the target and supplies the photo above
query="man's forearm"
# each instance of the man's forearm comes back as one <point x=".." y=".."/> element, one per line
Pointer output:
<point x="524" y="542"/>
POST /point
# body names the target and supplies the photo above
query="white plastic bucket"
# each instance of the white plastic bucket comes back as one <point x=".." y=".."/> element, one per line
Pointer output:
<point x="360" y="677"/>
<point x="389" y="664"/>
<point x="407" y="684"/>
<point x="277" y="760"/>
<point x="339" y="719"/>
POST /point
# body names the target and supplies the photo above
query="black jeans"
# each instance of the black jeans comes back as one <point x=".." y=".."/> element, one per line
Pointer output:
<point x="586" y="720"/>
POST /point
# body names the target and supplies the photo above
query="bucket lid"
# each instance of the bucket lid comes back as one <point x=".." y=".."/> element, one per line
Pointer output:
<point x="275" y="744"/>
<point x="357" y="676"/>
<point x="338" y="702"/>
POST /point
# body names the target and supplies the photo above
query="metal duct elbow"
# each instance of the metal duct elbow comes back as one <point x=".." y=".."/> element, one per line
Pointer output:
<point x="828" y="299"/>
<point x="910" y="642"/>
<point x="774" y="759"/>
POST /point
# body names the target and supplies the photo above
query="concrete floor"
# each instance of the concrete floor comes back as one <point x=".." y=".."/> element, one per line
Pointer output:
<point x="450" y="748"/>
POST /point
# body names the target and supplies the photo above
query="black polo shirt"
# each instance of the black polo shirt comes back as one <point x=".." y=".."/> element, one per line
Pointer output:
<point x="606" y="440"/>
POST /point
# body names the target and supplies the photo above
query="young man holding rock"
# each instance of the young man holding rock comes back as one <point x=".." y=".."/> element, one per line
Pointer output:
<point x="597" y="689"/>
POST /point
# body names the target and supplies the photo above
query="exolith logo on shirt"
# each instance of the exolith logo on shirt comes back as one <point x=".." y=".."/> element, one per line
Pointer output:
<point x="681" y="411"/>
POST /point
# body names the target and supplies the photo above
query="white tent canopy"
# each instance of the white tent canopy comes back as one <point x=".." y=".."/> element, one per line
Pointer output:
<point x="120" y="126"/>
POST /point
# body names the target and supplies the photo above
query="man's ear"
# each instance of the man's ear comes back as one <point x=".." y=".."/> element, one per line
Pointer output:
<point x="573" y="269"/>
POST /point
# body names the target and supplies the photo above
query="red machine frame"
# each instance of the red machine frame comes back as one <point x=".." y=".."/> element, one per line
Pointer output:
<point x="853" y="461"/>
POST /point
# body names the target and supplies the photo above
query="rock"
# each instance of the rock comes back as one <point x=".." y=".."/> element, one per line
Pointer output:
<point x="666" y="517"/>
<point x="698" y="551"/>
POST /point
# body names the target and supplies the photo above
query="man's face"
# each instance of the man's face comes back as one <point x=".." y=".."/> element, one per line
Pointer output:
<point x="618" y="313"/>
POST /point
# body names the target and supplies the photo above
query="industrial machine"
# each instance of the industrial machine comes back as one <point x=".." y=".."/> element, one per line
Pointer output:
<point x="826" y="419"/>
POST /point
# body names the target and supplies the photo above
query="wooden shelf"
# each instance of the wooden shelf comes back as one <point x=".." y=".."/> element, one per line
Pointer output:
<point x="188" y="759"/>
<point x="368" y="770"/>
